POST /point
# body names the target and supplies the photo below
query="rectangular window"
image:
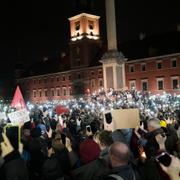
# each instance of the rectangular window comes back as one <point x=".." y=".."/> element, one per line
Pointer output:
<point x="58" y="91"/>
<point x="52" y="79"/>
<point x="69" y="77"/>
<point x="63" y="78"/>
<point x="64" y="92"/>
<point x="70" y="91"/>
<point x="45" y="81"/>
<point x="144" y="85"/>
<point x="91" y="25"/>
<point x="173" y="63"/>
<point x="39" y="81"/>
<point x="40" y="93"/>
<point x="100" y="82"/>
<point x="52" y="92"/>
<point x="159" y="65"/>
<point x="79" y="76"/>
<point x="77" y="25"/>
<point x="34" y="93"/>
<point x="132" y="84"/>
<point x="143" y="67"/>
<point x="45" y="93"/>
<point x="131" y="68"/>
<point x="160" y="83"/>
<point x="100" y="72"/>
<point x="34" y="81"/>
<point x="174" y="82"/>
<point x="92" y="83"/>
<point x="92" y="73"/>
<point x="57" y="79"/>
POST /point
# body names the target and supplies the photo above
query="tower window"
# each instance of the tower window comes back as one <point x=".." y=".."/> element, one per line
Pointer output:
<point x="91" y="25"/>
<point x="77" y="25"/>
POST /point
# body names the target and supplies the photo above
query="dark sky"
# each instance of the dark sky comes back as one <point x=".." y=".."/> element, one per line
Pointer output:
<point x="33" y="29"/>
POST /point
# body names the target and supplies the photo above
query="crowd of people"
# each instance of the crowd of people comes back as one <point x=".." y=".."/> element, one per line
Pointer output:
<point x="67" y="140"/>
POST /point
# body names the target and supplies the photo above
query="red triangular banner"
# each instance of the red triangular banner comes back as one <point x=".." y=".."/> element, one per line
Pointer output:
<point x="18" y="100"/>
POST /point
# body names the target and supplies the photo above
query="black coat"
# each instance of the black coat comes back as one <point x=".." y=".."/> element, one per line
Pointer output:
<point x="14" y="168"/>
<point x="152" y="146"/>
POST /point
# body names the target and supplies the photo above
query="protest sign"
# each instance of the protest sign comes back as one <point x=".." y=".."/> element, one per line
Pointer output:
<point x="121" y="119"/>
<point x="19" y="117"/>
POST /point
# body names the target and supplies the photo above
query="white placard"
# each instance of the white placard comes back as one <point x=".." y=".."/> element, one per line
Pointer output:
<point x="122" y="119"/>
<point x="19" y="117"/>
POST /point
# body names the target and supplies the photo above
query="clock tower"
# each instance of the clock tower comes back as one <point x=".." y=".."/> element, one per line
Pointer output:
<point x="84" y="39"/>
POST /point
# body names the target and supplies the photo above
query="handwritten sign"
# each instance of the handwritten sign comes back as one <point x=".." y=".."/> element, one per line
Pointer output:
<point x="19" y="117"/>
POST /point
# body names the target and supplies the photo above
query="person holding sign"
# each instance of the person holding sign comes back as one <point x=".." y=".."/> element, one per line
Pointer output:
<point x="12" y="166"/>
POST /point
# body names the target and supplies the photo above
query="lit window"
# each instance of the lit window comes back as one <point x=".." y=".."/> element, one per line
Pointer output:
<point x="144" y="85"/>
<point x="64" y="91"/>
<point x="77" y="25"/>
<point x="132" y="84"/>
<point x="91" y="25"/>
<point x="175" y="82"/>
<point x="159" y="65"/>
<point x="92" y="83"/>
<point x="160" y="83"/>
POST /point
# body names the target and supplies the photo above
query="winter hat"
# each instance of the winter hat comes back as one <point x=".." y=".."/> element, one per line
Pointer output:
<point x="89" y="150"/>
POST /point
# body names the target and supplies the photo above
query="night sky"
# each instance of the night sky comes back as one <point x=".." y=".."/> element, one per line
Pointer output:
<point x="31" y="30"/>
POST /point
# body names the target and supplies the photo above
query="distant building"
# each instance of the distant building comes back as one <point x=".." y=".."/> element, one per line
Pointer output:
<point x="152" y="65"/>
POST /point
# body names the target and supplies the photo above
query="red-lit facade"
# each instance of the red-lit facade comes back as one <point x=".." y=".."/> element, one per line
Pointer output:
<point x="155" y="74"/>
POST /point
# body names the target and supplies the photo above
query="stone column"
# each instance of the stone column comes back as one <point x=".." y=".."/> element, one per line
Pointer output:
<point x="111" y="25"/>
<point x="113" y="61"/>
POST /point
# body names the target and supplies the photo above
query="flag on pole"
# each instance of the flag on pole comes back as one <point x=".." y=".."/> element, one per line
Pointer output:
<point x="18" y="100"/>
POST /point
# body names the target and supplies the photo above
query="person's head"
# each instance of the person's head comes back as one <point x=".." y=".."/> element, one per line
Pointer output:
<point x="105" y="139"/>
<point x="153" y="124"/>
<point x="119" y="154"/>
